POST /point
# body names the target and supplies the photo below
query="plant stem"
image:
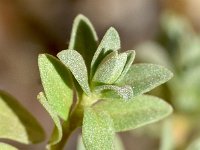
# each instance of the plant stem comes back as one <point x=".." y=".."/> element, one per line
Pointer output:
<point x="74" y="121"/>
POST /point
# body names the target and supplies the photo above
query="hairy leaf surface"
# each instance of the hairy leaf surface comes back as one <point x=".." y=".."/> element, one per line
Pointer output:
<point x="145" y="77"/>
<point x="110" y="42"/>
<point x="129" y="61"/>
<point x="57" y="83"/>
<point x="110" y="68"/>
<point x="113" y="91"/>
<point x="83" y="38"/>
<point x="98" y="132"/>
<point x="134" y="113"/>
<point x="75" y="63"/>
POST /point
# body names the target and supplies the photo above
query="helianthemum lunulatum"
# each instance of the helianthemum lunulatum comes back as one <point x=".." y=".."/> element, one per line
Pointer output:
<point x="94" y="86"/>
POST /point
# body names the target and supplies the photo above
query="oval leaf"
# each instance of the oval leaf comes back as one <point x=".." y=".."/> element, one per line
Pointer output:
<point x="57" y="133"/>
<point x="75" y="63"/>
<point x="129" y="62"/>
<point x="110" y="68"/>
<point x="145" y="77"/>
<point x="17" y="123"/>
<point x="98" y="133"/>
<point x="113" y="91"/>
<point x="134" y="113"/>
<point x="83" y="38"/>
<point x="57" y="83"/>
<point x="4" y="146"/>
<point x="110" y="42"/>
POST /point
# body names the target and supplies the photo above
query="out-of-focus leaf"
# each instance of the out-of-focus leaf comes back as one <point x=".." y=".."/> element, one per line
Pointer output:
<point x="83" y="38"/>
<point x="185" y="90"/>
<point x="195" y="145"/>
<point x="113" y="91"/>
<point x="57" y="133"/>
<point x="129" y="61"/>
<point x="134" y="113"/>
<point x="57" y="83"/>
<point x="110" y="42"/>
<point x="145" y="77"/>
<point x="97" y="130"/>
<point x="152" y="52"/>
<point x="17" y="123"/>
<point x="167" y="140"/>
<point x="110" y="68"/>
<point x="75" y="63"/>
<point x="4" y="146"/>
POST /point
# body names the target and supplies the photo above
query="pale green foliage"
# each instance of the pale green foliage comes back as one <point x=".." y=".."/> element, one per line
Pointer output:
<point x="4" y="146"/>
<point x="100" y="91"/>
<point x="111" y="78"/>
<point x="75" y="63"/>
<point x="16" y="123"/>
<point x="134" y="113"/>
<point x="113" y="91"/>
<point x="57" y="134"/>
<point x="110" y="42"/>
<point x="85" y="46"/>
<point x="145" y="77"/>
<point x="98" y="132"/>
<point x="118" y="145"/>
<point x="57" y="89"/>
<point x="129" y="61"/>
<point x="110" y="68"/>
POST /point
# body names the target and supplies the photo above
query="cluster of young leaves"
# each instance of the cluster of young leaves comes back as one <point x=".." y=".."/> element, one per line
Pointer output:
<point x="94" y="86"/>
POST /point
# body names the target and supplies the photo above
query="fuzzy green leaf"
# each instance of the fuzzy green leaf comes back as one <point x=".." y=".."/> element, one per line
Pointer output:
<point x="98" y="133"/>
<point x="145" y="77"/>
<point x="110" y="68"/>
<point x="57" y="133"/>
<point x="134" y="113"/>
<point x="75" y="63"/>
<point x="117" y="143"/>
<point x="110" y="42"/>
<point x="129" y="61"/>
<point x="113" y="91"/>
<point x="17" y="123"/>
<point x="83" y="38"/>
<point x="4" y="146"/>
<point x="57" y="83"/>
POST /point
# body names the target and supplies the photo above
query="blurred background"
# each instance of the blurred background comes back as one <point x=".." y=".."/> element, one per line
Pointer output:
<point x="164" y="32"/>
